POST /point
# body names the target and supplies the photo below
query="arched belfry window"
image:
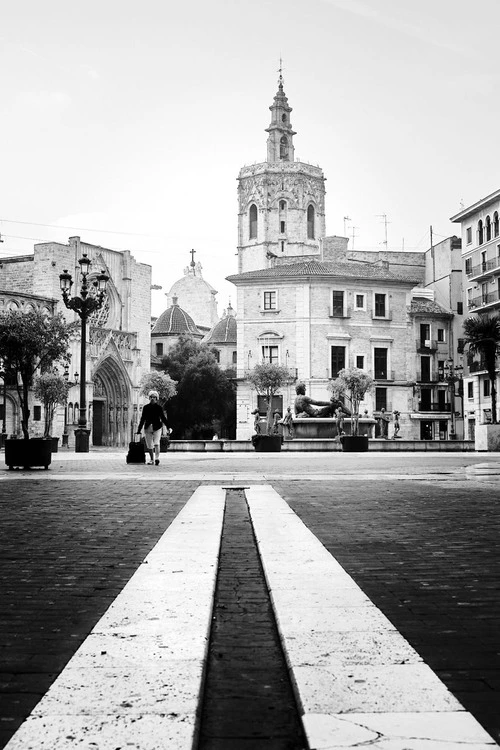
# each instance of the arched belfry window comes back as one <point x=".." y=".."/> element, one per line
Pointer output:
<point x="480" y="239"/>
<point x="310" y="222"/>
<point x="252" y="215"/>
<point x="283" y="147"/>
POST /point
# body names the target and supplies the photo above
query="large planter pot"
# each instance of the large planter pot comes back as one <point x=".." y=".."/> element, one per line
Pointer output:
<point x="27" y="453"/>
<point x="487" y="437"/>
<point x="354" y="443"/>
<point x="55" y="444"/>
<point x="267" y="443"/>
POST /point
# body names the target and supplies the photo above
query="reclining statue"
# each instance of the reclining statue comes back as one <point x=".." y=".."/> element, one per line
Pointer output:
<point x="304" y="406"/>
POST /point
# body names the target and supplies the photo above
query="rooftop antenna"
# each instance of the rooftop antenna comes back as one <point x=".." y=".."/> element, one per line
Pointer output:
<point x="384" y="217"/>
<point x="346" y="218"/>
<point x="353" y="235"/>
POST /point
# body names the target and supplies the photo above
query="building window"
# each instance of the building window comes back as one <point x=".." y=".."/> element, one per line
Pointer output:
<point x="380" y="363"/>
<point x="380" y="398"/>
<point x="425" y="369"/>
<point x="338" y="360"/>
<point x="235" y="358"/>
<point x="425" y="334"/>
<point x="495" y="224"/>
<point x="460" y="308"/>
<point x="270" y="355"/>
<point x="360" y="362"/>
<point x="360" y="302"/>
<point x="483" y="261"/>
<point x="37" y="413"/>
<point x="253" y="222"/>
<point x="468" y="233"/>
<point x="337" y="303"/>
<point x="486" y="387"/>
<point x="480" y="234"/>
<point x="468" y="265"/>
<point x="282" y="205"/>
<point x="488" y="229"/>
<point x="282" y="227"/>
<point x="276" y="405"/>
<point x="216" y="354"/>
<point x="310" y="222"/>
<point x="470" y="389"/>
<point x="284" y="147"/>
<point x="270" y="301"/>
<point x="440" y="334"/>
<point x="380" y="305"/>
<point x="282" y="246"/>
<point x="159" y="350"/>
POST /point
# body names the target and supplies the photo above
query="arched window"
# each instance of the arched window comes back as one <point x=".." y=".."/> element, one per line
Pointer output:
<point x="495" y="224"/>
<point x="310" y="222"/>
<point x="282" y="205"/>
<point x="488" y="228"/>
<point x="480" y="232"/>
<point x="283" y="118"/>
<point x="283" y="147"/>
<point x="253" y="222"/>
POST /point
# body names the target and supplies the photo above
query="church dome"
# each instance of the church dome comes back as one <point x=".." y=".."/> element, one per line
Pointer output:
<point x="174" y="321"/>
<point x="223" y="332"/>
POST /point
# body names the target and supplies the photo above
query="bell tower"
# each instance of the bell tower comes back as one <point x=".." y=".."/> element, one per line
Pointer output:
<point x="281" y="202"/>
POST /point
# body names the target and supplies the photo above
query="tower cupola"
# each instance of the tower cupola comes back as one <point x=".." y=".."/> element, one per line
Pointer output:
<point x="280" y="139"/>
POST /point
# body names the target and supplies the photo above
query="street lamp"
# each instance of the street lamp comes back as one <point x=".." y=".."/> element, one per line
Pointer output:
<point x="452" y="374"/>
<point x="84" y="305"/>
<point x="3" y="375"/>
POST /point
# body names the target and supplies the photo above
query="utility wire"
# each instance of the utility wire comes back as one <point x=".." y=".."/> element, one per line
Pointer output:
<point x="81" y="229"/>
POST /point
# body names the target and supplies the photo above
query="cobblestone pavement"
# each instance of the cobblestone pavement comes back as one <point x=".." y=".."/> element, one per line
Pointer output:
<point x="419" y="534"/>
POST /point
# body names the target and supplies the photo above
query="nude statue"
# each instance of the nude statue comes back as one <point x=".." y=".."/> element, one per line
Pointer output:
<point x="305" y="405"/>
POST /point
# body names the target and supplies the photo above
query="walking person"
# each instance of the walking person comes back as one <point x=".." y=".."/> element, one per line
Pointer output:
<point x="152" y="419"/>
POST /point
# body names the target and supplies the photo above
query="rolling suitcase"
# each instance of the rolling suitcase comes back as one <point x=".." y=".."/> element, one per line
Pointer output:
<point x="136" y="452"/>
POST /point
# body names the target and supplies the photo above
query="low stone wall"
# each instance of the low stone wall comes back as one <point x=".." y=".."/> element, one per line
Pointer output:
<point x="321" y="444"/>
<point x="326" y="427"/>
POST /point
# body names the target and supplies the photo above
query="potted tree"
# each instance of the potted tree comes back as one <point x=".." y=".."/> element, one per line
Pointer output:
<point x="482" y="336"/>
<point x="166" y="387"/>
<point x="51" y="389"/>
<point x="268" y="379"/>
<point x="353" y="384"/>
<point x="30" y="342"/>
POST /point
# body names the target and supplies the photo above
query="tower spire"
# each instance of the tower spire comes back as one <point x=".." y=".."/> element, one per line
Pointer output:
<point x="280" y="139"/>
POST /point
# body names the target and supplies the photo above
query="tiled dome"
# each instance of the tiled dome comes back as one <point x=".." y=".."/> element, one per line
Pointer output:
<point x="174" y="321"/>
<point x="223" y="332"/>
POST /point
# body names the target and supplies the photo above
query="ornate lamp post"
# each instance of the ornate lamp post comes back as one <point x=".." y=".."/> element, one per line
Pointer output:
<point x="84" y="305"/>
<point x="452" y="374"/>
<point x="3" y="375"/>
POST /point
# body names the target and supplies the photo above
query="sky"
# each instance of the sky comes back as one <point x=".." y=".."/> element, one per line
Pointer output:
<point x="127" y="123"/>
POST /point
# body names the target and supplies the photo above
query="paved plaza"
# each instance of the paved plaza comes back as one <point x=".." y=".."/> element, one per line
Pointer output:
<point x="238" y="601"/>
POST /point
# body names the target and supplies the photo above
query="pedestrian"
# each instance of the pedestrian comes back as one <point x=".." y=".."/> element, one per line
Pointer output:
<point x="152" y="419"/>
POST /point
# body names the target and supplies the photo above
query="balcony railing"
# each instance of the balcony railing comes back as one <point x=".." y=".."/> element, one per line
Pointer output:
<point x="426" y="377"/>
<point x="434" y="407"/>
<point x="485" y="268"/>
<point x="426" y="345"/>
<point x="487" y="298"/>
<point x="384" y="376"/>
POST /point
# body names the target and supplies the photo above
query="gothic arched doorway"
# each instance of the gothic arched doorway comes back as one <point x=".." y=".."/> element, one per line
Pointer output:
<point x="111" y="405"/>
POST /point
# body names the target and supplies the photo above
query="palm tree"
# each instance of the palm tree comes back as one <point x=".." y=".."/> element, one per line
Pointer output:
<point x="482" y="335"/>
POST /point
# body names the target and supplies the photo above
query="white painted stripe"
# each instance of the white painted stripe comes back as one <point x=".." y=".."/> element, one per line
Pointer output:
<point x="135" y="681"/>
<point x="357" y="680"/>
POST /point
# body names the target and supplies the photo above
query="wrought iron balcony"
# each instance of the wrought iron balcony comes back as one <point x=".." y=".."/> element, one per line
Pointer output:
<point x="426" y="345"/>
<point x="444" y="408"/>
<point x="486" y="268"/>
<point x="487" y="298"/>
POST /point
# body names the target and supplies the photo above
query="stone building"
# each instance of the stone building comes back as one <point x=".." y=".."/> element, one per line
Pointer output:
<point x="119" y="344"/>
<point x="480" y="231"/>
<point x="173" y="322"/>
<point x="222" y="340"/>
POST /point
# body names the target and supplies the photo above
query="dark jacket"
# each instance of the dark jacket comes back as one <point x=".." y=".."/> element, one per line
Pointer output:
<point x="152" y="413"/>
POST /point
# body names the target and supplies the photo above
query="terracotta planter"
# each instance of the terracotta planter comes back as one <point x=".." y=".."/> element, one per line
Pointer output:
<point x="28" y="453"/>
<point x="354" y="443"/>
<point x="267" y="443"/>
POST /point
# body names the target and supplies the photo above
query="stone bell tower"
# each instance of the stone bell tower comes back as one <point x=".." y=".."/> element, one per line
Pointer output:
<point x="281" y="202"/>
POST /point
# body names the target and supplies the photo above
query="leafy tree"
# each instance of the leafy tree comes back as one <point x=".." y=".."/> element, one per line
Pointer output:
<point x="51" y="389"/>
<point x="205" y="394"/>
<point x="482" y="335"/>
<point x="353" y="384"/>
<point x="268" y="379"/>
<point x="30" y="342"/>
<point x="158" y="381"/>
